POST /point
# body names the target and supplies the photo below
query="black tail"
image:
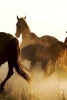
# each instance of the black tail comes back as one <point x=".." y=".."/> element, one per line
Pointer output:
<point x="14" y="52"/>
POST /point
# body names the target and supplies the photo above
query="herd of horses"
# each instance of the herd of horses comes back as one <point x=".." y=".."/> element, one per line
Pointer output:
<point x="33" y="48"/>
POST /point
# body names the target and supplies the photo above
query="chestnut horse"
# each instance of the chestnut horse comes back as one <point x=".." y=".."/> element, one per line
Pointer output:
<point x="10" y="51"/>
<point x="36" y="48"/>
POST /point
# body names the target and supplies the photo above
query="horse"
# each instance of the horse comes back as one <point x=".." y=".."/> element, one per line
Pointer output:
<point x="43" y="54"/>
<point x="29" y="37"/>
<point x="10" y="51"/>
<point x="34" y="48"/>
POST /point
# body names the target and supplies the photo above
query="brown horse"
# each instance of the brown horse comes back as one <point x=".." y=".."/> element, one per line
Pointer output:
<point x="28" y="37"/>
<point x="43" y="54"/>
<point x="36" y="48"/>
<point x="10" y="51"/>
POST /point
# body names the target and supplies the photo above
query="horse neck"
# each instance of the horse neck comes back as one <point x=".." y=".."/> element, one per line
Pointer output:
<point x="26" y="34"/>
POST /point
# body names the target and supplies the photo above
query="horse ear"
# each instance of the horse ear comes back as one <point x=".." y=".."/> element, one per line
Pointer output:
<point x="17" y="18"/>
<point x="25" y="17"/>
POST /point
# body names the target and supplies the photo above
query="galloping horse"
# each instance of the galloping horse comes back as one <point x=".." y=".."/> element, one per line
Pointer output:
<point x="10" y="51"/>
<point x="36" y="48"/>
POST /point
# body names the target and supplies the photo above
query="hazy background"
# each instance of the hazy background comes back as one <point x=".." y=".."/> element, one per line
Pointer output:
<point x="44" y="17"/>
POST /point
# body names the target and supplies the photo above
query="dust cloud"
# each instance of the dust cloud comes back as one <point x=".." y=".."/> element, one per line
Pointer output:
<point x="41" y="87"/>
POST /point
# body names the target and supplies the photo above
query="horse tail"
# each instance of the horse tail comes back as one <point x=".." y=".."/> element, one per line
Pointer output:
<point x="14" y="46"/>
<point x="21" y="70"/>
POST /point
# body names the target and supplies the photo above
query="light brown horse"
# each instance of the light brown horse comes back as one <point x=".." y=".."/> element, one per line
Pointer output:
<point x="36" y="48"/>
<point x="10" y="51"/>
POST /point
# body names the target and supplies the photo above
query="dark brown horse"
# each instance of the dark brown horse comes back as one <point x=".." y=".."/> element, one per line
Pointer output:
<point x="10" y="51"/>
<point x="36" y="48"/>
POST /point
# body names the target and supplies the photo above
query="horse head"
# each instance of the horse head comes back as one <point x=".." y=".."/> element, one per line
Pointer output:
<point x="21" y="25"/>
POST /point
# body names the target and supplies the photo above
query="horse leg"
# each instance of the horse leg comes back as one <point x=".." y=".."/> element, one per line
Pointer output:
<point x="48" y="67"/>
<point x="10" y="73"/>
<point x="32" y="65"/>
<point x="44" y="67"/>
<point x="52" y="70"/>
